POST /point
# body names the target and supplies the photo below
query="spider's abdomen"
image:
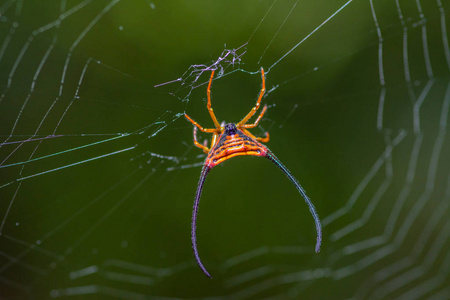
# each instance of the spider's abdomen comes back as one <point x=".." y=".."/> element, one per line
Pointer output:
<point x="233" y="142"/>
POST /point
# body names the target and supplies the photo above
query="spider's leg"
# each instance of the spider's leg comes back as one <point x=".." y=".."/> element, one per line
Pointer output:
<point x="214" y="139"/>
<point x="312" y="209"/>
<point x="258" y="102"/>
<point x="259" y="139"/>
<point x="210" y="130"/>
<point x="196" y="143"/>
<point x="203" y="175"/>
<point x="211" y="112"/>
<point x="257" y="119"/>
<point x="264" y="139"/>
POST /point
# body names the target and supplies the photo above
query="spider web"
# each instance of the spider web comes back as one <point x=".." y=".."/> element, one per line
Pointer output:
<point x="98" y="169"/>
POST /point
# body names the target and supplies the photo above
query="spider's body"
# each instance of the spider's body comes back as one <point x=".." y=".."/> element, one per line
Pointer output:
<point x="230" y="140"/>
<point x="233" y="142"/>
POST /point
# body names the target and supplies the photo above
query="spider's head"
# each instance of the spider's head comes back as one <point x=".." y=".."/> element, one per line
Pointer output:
<point x="230" y="129"/>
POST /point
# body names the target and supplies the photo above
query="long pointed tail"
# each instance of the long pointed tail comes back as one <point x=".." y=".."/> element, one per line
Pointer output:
<point x="312" y="209"/>
<point x="203" y="175"/>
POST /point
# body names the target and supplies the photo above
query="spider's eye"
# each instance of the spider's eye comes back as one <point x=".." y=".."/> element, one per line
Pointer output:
<point x="230" y="129"/>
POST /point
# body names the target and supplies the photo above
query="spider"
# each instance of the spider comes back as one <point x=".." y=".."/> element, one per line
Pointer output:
<point x="230" y="140"/>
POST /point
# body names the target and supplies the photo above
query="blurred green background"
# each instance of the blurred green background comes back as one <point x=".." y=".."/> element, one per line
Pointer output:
<point x="91" y="223"/>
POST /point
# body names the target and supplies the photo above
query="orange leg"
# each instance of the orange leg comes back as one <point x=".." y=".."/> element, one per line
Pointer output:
<point x="264" y="140"/>
<point x="257" y="119"/>
<point x="210" y="130"/>
<point x="214" y="139"/>
<point x="196" y="143"/>
<point x="258" y="102"/>
<point x="259" y="139"/>
<point x="211" y="112"/>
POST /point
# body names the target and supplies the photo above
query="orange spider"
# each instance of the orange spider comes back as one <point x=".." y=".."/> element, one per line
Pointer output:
<point x="230" y="140"/>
